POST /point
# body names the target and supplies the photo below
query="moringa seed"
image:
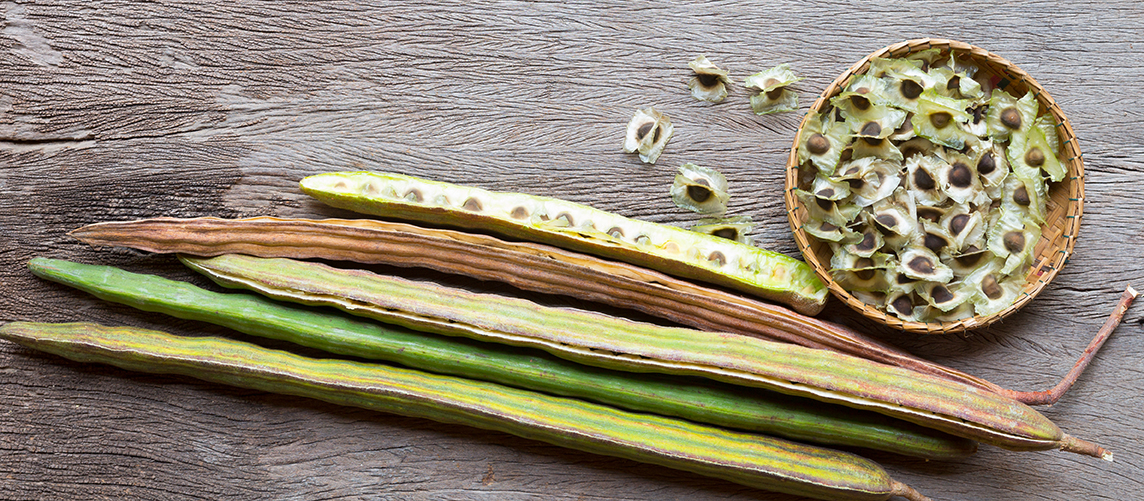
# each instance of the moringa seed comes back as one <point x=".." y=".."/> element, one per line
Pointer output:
<point x="960" y="176"/>
<point x="472" y="204"/>
<point x="1021" y="196"/>
<point x="991" y="288"/>
<point x="1011" y="118"/>
<point x="923" y="181"/>
<point x="817" y="144"/>
<point x="958" y="223"/>
<point x="911" y="89"/>
<point x="941" y="119"/>
<point x="935" y="242"/>
<point x="1014" y="241"/>
<point x="699" y="193"/>
<point x="1035" y="157"/>
<point x="987" y="163"/>
<point x="903" y="305"/>
<point x="922" y="265"/>
<point x="940" y="294"/>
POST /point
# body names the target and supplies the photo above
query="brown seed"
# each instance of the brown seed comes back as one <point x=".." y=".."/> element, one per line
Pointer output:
<point x="567" y="218"/>
<point x="935" y="242"/>
<point x="774" y="94"/>
<point x="873" y="141"/>
<point x="644" y="130"/>
<point x="921" y="264"/>
<point x="718" y="258"/>
<point x="519" y="212"/>
<point x="860" y="102"/>
<point x="825" y="193"/>
<point x="887" y="220"/>
<point x="616" y="232"/>
<point x="987" y="163"/>
<point x="817" y="144"/>
<point x="923" y="181"/>
<point x="827" y="227"/>
<point x="991" y="288"/>
<point x="1014" y="241"/>
<point x="864" y="274"/>
<point x="472" y="204"/>
<point x="867" y="243"/>
<point x="699" y="193"/>
<point x="414" y="195"/>
<point x="903" y="305"/>
<point x="941" y="119"/>
<point x="1021" y="196"/>
<point x="954" y="83"/>
<point x="958" y="223"/>
<point x="846" y="155"/>
<point x="970" y="258"/>
<point x="1035" y="157"/>
<point x="707" y="80"/>
<point x="931" y="213"/>
<point x="871" y="128"/>
<point x="826" y="205"/>
<point x="940" y="294"/>
<point x="911" y="89"/>
<point x="728" y="233"/>
<point x="1011" y="118"/>
<point x="960" y="176"/>
<point x="903" y="279"/>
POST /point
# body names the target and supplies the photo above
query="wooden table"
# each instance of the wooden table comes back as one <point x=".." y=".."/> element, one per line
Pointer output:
<point x="123" y="110"/>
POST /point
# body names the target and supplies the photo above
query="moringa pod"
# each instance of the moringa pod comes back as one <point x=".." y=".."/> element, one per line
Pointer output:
<point x="526" y="265"/>
<point x="748" y="459"/>
<point x="672" y="250"/>
<point x="615" y="343"/>
<point x="689" y="398"/>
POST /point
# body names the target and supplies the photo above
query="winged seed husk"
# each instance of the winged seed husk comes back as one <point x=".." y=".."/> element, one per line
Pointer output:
<point x="721" y="405"/>
<point x="748" y="459"/>
<point x="615" y="343"/>
<point x="669" y="249"/>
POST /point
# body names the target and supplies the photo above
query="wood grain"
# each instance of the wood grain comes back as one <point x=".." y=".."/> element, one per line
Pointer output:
<point x="117" y="110"/>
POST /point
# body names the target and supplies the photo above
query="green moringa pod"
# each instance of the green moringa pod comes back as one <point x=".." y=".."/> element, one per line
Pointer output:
<point x="615" y="343"/>
<point x="747" y="459"/>
<point x="669" y="249"/>
<point x="688" y="398"/>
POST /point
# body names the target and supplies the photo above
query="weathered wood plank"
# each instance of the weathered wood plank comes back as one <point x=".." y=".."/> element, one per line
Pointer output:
<point x="119" y="110"/>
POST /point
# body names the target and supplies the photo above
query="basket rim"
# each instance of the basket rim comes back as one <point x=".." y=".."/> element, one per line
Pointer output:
<point x="1044" y="269"/>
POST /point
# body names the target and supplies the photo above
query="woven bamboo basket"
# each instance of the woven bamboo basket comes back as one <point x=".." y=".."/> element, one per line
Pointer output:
<point x="1064" y="202"/>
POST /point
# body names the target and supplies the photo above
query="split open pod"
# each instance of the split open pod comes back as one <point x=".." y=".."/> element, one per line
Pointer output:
<point x="935" y="187"/>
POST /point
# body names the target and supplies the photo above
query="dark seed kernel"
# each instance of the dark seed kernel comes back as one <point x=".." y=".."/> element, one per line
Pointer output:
<point x="860" y="102"/>
<point x="960" y="175"/>
<point x="904" y="280"/>
<point x="968" y="260"/>
<point x="991" y="288"/>
<point x="1021" y="196"/>
<point x="825" y="193"/>
<point x="826" y="205"/>
<point x="873" y="141"/>
<point x="865" y="274"/>
<point x="911" y="89"/>
<point x="1011" y="118"/>
<point x="871" y="128"/>
<point x="941" y="119"/>
<point x="707" y="80"/>
<point x="867" y="243"/>
<point x="887" y="220"/>
<point x="717" y="257"/>
<point x="817" y="144"/>
<point x="987" y="163"/>
<point x="954" y="83"/>
<point x="776" y="93"/>
<point x="655" y="139"/>
<point x="940" y="294"/>
<point x="827" y="227"/>
<point x="1014" y="241"/>
<point x="519" y="212"/>
<point x="929" y="213"/>
<point x="922" y="265"/>
<point x="699" y="193"/>
<point x="903" y="305"/>
<point x="616" y="232"/>
<point x="414" y="195"/>
<point x="1035" y="157"/>
<point x="846" y="155"/>
<point x="935" y="242"/>
<point x="923" y="180"/>
<point x="728" y="233"/>
<point x="958" y="223"/>
<point x="644" y="130"/>
<point x="472" y="204"/>
<point x="567" y="218"/>
<point x="864" y="262"/>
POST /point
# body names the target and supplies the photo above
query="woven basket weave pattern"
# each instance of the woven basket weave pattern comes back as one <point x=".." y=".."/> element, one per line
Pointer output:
<point x="1064" y="203"/>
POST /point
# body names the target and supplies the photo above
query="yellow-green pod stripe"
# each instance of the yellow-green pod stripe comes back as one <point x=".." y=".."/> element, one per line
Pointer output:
<point x="689" y="398"/>
<point x="669" y="249"/>
<point x="748" y="459"/>
<point x="616" y="343"/>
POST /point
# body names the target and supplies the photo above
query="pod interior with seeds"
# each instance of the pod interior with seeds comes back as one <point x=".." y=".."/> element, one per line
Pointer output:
<point x="970" y="181"/>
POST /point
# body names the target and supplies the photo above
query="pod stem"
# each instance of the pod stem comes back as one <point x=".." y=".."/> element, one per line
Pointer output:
<point x="1050" y="396"/>
<point x="1070" y="443"/>
<point x="903" y="490"/>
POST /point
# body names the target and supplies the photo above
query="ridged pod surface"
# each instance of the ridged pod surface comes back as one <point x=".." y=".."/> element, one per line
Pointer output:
<point x="669" y="249"/>
<point x="747" y="459"/>
<point x="689" y="398"/>
<point x="526" y="265"/>
<point x="616" y="343"/>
